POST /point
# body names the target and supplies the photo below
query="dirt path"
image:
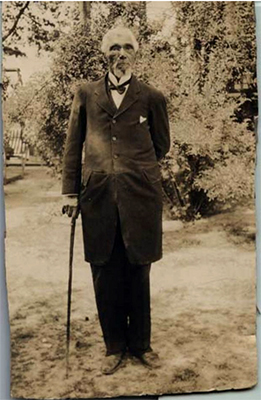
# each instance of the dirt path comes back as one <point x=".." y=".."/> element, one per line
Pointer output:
<point x="203" y="304"/>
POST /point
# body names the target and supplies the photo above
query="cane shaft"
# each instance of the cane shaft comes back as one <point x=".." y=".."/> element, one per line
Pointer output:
<point x="73" y="222"/>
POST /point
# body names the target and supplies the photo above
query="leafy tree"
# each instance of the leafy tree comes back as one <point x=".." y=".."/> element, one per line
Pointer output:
<point x="210" y="148"/>
<point x="34" y="23"/>
<point x="38" y="24"/>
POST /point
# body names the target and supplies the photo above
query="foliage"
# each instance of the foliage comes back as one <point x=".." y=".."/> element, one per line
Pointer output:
<point x="215" y="154"/>
<point x="34" y="23"/>
<point x="28" y="25"/>
<point x="215" y="157"/>
<point x="24" y="107"/>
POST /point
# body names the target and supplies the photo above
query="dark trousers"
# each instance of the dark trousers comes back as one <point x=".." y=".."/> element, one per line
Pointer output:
<point x="122" y="292"/>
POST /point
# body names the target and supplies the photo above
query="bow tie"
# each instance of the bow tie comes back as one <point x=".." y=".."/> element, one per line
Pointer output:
<point x="120" y="88"/>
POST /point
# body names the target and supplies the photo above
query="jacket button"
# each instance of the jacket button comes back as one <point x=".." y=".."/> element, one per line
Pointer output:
<point x="115" y="156"/>
<point x="114" y="121"/>
<point x="114" y="138"/>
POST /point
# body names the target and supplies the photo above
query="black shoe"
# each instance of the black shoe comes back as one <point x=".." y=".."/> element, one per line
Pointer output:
<point x="111" y="363"/>
<point x="150" y="359"/>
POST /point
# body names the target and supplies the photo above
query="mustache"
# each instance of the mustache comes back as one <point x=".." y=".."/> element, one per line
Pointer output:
<point x="122" y="62"/>
<point x="113" y="59"/>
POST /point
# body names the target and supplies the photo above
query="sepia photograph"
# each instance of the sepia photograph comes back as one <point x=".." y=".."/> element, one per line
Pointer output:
<point x="129" y="137"/>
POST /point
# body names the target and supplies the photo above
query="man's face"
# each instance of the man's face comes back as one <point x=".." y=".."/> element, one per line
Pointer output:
<point x="121" y="54"/>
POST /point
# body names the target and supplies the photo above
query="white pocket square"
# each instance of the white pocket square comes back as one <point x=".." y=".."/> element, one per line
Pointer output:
<point x="142" y="119"/>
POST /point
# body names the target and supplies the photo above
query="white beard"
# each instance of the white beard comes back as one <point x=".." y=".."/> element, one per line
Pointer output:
<point x="120" y="71"/>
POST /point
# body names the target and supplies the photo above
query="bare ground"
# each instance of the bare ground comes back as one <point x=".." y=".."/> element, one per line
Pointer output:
<point x="203" y="304"/>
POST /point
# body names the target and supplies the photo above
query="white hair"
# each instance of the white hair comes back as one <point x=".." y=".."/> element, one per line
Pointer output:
<point x="114" y="33"/>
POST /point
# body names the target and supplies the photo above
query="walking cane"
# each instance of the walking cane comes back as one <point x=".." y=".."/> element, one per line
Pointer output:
<point x="68" y="210"/>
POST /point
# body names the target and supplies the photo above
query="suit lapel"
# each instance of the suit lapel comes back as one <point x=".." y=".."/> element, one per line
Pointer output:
<point x="103" y="99"/>
<point x="130" y="97"/>
<point x="107" y="104"/>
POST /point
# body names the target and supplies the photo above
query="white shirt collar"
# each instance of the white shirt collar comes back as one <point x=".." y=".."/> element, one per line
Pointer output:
<point x="123" y="79"/>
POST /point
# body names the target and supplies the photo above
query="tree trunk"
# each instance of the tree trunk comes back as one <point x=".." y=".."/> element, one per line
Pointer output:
<point x="143" y="18"/>
<point x="85" y="12"/>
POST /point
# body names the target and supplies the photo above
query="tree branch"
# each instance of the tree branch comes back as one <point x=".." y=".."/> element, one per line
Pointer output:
<point x="13" y="28"/>
<point x="13" y="51"/>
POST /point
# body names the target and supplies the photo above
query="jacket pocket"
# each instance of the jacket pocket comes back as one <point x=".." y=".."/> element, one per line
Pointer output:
<point x="152" y="174"/>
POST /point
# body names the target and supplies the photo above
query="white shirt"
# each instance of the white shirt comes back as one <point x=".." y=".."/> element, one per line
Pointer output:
<point x="116" y="96"/>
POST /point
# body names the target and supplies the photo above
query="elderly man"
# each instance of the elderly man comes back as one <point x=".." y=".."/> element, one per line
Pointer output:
<point x="123" y="126"/>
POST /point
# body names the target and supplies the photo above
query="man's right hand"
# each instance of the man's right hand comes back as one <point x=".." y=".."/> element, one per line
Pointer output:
<point x="71" y="208"/>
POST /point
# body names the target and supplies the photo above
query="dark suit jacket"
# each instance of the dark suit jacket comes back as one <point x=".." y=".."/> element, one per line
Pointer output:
<point x="120" y="174"/>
